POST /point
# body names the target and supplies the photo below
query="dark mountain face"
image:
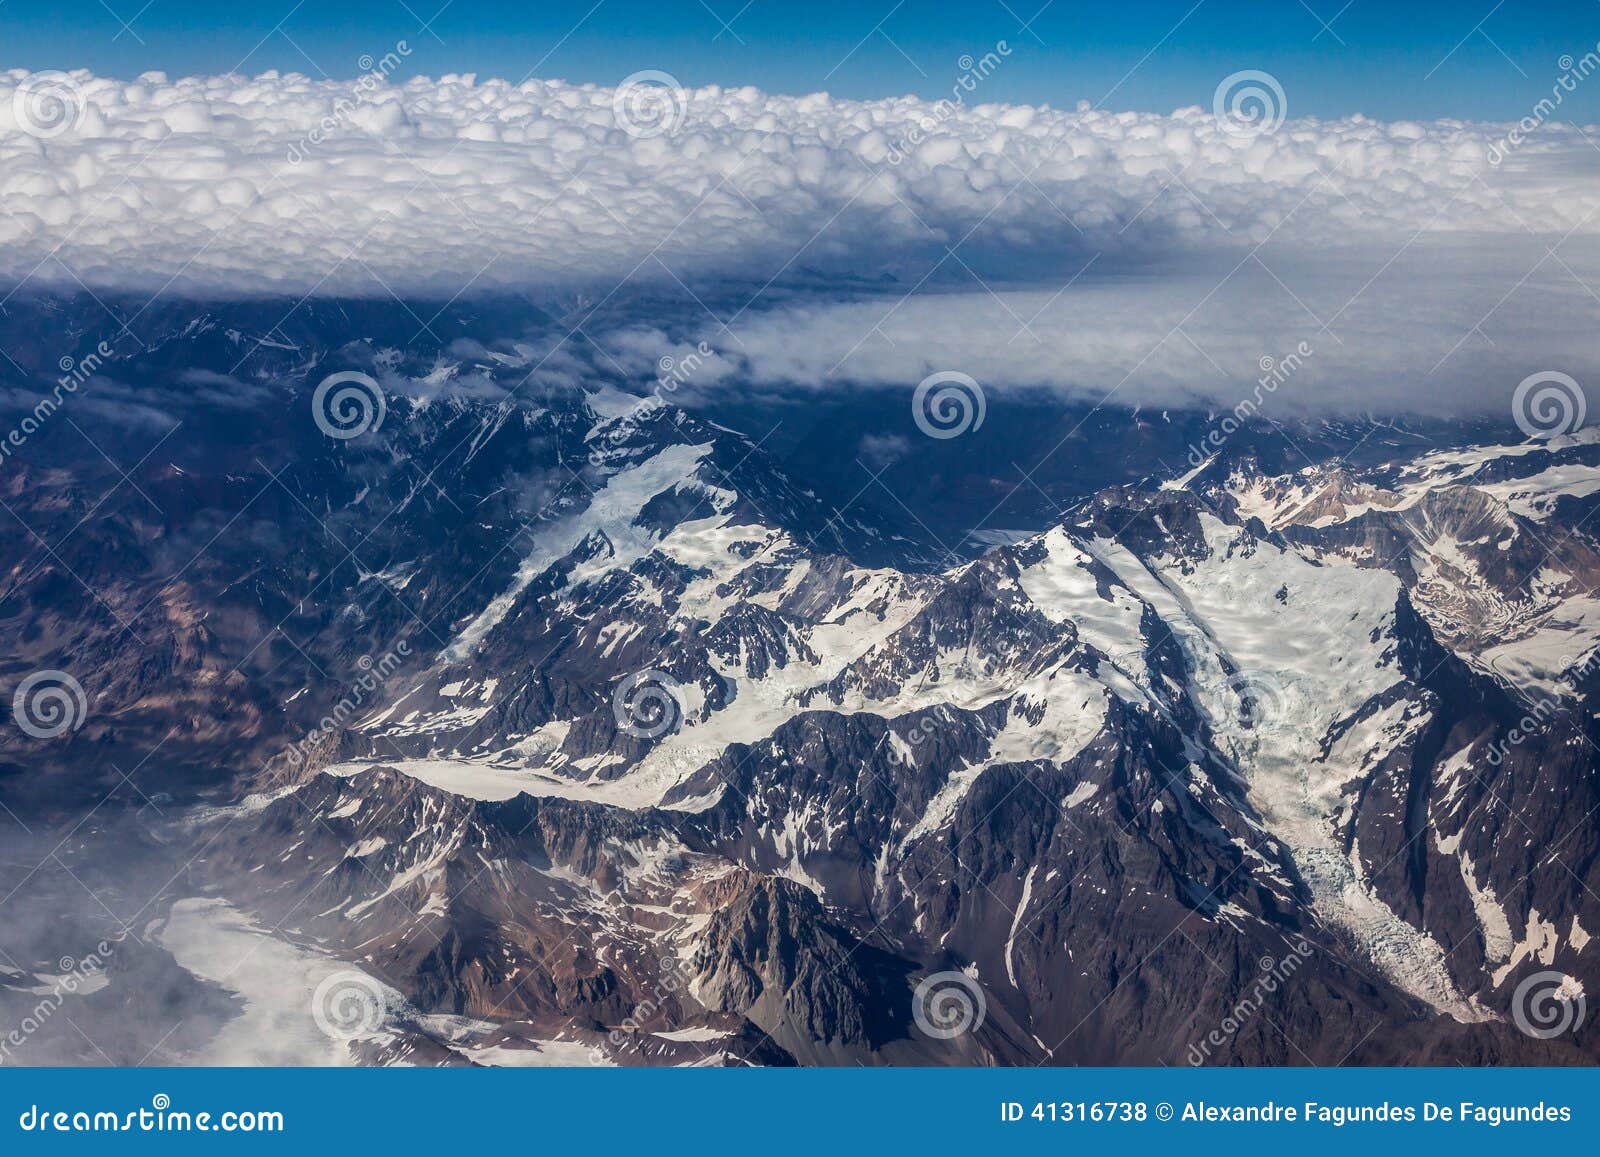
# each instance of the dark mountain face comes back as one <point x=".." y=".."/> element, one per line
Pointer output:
<point x="391" y="695"/>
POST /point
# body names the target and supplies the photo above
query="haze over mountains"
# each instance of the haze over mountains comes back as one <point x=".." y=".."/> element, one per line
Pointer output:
<point x="480" y="718"/>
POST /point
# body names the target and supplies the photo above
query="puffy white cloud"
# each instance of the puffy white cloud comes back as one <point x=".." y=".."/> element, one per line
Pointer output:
<point x="1430" y="265"/>
<point x="283" y="184"/>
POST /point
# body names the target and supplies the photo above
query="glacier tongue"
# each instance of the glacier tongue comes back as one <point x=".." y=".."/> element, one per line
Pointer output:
<point x="612" y="512"/>
<point x="1286" y="660"/>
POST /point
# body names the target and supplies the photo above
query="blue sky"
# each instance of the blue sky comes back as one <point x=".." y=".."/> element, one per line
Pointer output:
<point x="1471" y="58"/>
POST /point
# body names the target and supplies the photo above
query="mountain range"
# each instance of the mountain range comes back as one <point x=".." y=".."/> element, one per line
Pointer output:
<point x="389" y="700"/>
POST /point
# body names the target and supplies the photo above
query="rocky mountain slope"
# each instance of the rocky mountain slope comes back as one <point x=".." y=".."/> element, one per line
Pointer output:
<point x="541" y="721"/>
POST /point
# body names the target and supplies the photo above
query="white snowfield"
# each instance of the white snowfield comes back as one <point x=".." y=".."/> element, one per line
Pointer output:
<point x="1538" y="632"/>
<point x="1290" y="659"/>
<point x="1286" y="658"/>
<point x="1288" y="500"/>
<point x="877" y="605"/>
<point x="244" y="184"/>
<point x="612" y="513"/>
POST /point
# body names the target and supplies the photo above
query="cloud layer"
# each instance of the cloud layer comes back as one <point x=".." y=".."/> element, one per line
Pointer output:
<point x="1442" y="327"/>
<point x="815" y="243"/>
<point x="281" y="184"/>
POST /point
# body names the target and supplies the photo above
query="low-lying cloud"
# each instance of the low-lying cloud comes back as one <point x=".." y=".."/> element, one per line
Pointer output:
<point x="1439" y="328"/>
<point x="839" y="241"/>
